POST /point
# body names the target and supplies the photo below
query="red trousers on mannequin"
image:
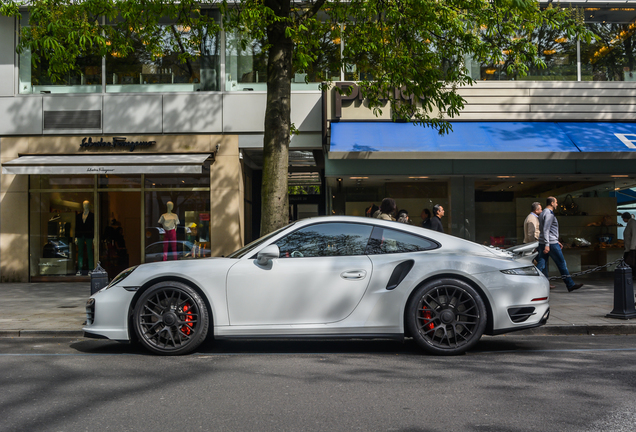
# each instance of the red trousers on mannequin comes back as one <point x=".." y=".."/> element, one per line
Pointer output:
<point x="170" y="238"/>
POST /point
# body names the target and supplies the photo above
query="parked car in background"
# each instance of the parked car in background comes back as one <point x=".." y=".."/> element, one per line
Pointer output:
<point x="184" y="250"/>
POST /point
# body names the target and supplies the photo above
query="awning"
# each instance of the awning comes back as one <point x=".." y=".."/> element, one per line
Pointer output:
<point x="107" y="164"/>
<point x="482" y="140"/>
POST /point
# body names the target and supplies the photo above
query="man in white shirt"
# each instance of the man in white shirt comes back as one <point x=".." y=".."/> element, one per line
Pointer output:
<point x="531" y="224"/>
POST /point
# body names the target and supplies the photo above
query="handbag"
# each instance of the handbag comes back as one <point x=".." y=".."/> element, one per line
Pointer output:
<point x="568" y="207"/>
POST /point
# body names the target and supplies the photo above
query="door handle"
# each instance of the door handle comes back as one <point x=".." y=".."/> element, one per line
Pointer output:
<point x="354" y="274"/>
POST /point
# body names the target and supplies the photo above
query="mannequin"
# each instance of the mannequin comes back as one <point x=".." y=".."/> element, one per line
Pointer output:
<point x="84" y="234"/>
<point x="169" y="221"/>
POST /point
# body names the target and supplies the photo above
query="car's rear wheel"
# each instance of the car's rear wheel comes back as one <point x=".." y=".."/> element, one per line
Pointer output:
<point x="171" y="318"/>
<point x="446" y="317"/>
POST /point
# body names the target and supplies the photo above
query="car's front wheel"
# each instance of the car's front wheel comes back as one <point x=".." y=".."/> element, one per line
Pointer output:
<point x="171" y="318"/>
<point x="446" y="316"/>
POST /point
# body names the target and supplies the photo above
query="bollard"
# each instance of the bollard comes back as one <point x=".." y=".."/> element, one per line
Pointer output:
<point x="623" y="293"/>
<point x="99" y="278"/>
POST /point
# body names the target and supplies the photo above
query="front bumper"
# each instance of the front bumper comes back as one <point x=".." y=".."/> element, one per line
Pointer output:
<point x="107" y="314"/>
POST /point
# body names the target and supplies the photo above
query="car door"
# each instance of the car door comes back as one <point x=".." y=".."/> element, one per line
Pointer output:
<point x="319" y="277"/>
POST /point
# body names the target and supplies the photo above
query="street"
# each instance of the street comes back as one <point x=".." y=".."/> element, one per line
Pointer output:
<point x="508" y="383"/>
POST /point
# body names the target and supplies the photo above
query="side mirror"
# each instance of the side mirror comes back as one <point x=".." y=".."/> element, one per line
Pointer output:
<point x="267" y="254"/>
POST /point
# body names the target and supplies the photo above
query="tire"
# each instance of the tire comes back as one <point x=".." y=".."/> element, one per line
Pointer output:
<point x="446" y="317"/>
<point x="171" y="318"/>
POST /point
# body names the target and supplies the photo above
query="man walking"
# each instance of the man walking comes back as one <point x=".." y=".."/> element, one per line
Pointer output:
<point x="629" y="235"/>
<point x="436" y="220"/>
<point x="549" y="245"/>
<point x="531" y="224"/>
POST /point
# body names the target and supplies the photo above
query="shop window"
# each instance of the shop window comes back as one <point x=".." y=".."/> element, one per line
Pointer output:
<point x="385" y="241"/>
<point x="179" y="180"/>
<point x="177" y="225"/>
<point x="334" y="239"/>
<point x="59" y="246"/>
<point x="119" y="181"/>
<point x="61" y="182"/>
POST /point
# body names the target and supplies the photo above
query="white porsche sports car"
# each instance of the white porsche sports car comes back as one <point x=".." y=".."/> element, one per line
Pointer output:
<point x="332" y="276"/>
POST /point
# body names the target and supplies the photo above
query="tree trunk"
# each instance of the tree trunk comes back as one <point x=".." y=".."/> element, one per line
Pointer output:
<point x="275" y="208"/>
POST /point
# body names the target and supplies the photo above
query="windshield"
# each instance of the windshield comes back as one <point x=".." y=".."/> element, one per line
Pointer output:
<point x="247" y="248"/>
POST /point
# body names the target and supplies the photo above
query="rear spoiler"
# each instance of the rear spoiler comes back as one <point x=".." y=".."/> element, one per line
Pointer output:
<point x="525" y="252"/>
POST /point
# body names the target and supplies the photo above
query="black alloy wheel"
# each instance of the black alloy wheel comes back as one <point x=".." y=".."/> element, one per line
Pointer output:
<point x="446" y="317"/>
<point x="171" y="318"/>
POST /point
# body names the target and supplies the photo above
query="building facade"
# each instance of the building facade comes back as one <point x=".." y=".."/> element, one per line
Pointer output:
<point x="566" y="130"/>
<point x="97" y="164"/>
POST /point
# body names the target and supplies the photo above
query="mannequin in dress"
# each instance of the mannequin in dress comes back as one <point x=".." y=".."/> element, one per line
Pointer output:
<point x="169" y="221"/>
<point x="84" y="234"/>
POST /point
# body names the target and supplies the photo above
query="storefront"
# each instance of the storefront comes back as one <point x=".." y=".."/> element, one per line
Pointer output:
<point x="120" y="201"/>
<point x="486" y="175"/>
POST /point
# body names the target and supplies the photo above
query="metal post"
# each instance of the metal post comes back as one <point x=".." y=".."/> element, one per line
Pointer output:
<point x="623" y="293"/>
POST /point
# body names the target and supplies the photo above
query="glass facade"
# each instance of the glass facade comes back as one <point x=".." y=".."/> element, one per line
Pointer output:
<point x="184" y="65"/>
<point x="33" y="76"/>
<point x="494" y="210"/>
<point x="192" y="60"/>
<point x="77" y="221"/>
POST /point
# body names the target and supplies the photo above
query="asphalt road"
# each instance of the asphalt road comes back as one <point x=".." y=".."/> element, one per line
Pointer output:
<point x="508" y="383"/>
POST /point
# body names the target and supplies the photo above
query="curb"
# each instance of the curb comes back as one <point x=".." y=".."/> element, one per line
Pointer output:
<point x="591" y="330"/>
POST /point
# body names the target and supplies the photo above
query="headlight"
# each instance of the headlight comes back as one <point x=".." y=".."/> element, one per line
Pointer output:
<point x="523" y="271"/>
<point x="121" y="276"/>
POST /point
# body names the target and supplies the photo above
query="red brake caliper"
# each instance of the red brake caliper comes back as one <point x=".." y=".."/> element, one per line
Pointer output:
<point x="188" y="319"/>
<point x="428" y="316"/>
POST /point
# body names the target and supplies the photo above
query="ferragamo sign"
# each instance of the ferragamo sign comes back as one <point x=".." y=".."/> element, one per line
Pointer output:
<point x="116" y="142"/>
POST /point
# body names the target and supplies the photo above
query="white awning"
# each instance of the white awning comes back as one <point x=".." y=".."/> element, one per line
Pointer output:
<point x="107" y="164"/>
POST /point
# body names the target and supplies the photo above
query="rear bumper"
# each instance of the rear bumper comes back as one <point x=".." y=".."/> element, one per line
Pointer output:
<point x="543" y="321"/>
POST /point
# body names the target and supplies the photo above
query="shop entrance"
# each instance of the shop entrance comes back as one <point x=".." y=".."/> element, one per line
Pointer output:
<point x="120" y="231"/>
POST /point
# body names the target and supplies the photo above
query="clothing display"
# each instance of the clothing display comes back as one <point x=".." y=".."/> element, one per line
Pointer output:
<point x="84" y="234"/>
<point x="170" y="239"/>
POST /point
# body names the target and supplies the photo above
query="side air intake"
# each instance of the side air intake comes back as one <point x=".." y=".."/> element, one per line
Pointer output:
<point x="399" y="273"/>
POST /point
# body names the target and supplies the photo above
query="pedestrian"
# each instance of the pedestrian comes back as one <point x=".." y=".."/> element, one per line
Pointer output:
<point x="549" y="245"/>
<point x="403" y="216"/>
<point x="426" y="218"/>
<point x="531" y="224"/>
<point x="436" y="220"/>
<point x="387" y="209"/>
<point x="370" y="211"/>
<point x="629" y="236"/>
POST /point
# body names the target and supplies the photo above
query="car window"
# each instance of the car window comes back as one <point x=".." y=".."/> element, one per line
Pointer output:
<point x="248" y="248"/>
<point x="328" y="239"/>
<point x="385" y="241"/>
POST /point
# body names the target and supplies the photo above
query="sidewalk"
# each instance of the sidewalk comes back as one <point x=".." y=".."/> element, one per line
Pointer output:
<point x="58" y="309"/>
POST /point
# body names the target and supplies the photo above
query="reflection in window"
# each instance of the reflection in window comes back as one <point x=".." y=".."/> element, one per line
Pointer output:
<point x="183" y="65"/>
<point x="245" y="63"/>
<point x="385" y="241"/>
<point x="554" y="48"/>
<point x="34" y="77"/>
<point x="612" y="54"/>
<point x="331" y="239"/>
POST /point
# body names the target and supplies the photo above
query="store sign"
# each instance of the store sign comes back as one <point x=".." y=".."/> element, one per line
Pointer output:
<point x="352" y="91"/>
<point x="115" y="143"/>
<point x="627" y="141"/>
